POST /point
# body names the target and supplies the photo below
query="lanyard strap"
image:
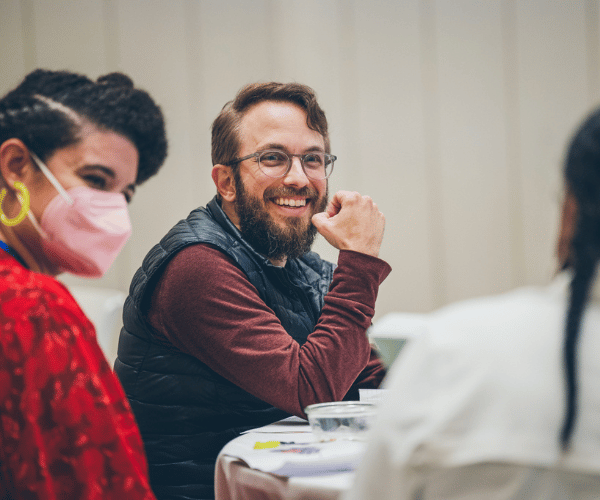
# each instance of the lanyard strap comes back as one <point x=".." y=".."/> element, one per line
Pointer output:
<point x="12" y="253"/>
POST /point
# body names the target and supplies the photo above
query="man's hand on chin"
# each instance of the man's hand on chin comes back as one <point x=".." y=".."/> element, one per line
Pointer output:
<point x="352" y="222"/>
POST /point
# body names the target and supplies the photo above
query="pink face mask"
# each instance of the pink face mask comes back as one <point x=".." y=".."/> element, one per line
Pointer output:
<point x="83" y="229"/>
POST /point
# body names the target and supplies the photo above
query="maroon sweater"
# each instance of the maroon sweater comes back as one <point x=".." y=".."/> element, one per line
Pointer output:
<point x="205" y="306"/>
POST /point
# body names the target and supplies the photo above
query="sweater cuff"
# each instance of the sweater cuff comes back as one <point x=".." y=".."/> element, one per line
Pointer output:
<point x="358" y="262"/>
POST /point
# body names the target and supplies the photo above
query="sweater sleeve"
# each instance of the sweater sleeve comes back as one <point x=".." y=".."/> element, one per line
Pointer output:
<point x="370" y="378"/>
<point x="205" y="305"/>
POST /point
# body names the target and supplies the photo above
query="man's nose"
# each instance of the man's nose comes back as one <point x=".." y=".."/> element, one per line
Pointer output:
<point x="296" y="175"/>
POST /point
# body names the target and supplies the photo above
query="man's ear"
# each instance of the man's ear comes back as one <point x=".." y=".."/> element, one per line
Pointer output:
<point x="223" y="178"/>
<point x="568" y="225"/>
<point x="15" y="162"/>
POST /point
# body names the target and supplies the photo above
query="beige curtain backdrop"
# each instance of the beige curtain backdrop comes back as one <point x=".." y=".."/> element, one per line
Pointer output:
<point x="452" y="114"/>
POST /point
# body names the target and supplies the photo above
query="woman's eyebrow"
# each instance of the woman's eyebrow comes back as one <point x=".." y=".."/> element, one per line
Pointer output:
<point x="108" y="171"/>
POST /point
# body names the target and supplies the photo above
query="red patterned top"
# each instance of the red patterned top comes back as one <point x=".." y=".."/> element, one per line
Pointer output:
<point x="66" y="429"/>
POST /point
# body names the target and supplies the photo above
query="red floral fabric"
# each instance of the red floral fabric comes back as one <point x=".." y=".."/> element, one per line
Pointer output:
<point x="66" y="428"/>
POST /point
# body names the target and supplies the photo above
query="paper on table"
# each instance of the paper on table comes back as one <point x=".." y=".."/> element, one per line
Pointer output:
<point x="296" y="455"/>
<point x="371" y="395"/>
<point x="290" y="424"/>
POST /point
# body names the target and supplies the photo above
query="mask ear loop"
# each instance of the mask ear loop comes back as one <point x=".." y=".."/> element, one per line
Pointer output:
<point x="46" y="171"/>
<point x="23" y="198"/>
<point x="61" y="191"/>
<point x="35" y="223"/>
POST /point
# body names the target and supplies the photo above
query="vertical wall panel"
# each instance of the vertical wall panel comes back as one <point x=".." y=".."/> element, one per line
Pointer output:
<point x="390" y="163"/>
<point x="513" y="130"/>
<point x="198" y="126"/>
<point x="306" y="41"/>
<point x="592" y="20"/>
<point x="473" y="148"/>
<point x="553" y="97"/>
<point x="307" y="48"/>
<point x="70" y="35"/>
<point x="235" y="49"/>
<point x="431" y="154"/>
<point x="346" y="129"/>
<point x="12" y="50"/>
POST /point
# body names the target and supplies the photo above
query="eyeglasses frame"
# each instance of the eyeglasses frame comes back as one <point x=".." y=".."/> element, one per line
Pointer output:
<point x="257" y="154"/>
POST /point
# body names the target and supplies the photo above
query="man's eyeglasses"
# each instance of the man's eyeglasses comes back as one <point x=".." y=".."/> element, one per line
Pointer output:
<point x="274" y="163"/>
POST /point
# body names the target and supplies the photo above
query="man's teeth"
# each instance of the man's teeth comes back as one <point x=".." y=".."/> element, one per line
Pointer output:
<point x="291" y="202"/>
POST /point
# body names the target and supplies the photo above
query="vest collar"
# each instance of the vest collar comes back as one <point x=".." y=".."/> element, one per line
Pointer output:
<point x="217" y="213"/>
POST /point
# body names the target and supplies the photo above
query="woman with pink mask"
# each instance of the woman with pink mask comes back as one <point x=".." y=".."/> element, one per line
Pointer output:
<point x="72" y="152"/>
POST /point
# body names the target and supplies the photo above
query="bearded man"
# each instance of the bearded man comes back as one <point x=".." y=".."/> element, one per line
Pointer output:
<point x="232" y="322"/>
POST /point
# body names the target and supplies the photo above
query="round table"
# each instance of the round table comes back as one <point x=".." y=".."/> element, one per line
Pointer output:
<point x="238" y="474"/>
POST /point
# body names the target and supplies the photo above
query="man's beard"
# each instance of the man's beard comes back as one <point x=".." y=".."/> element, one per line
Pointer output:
<point x="267" y="237"/>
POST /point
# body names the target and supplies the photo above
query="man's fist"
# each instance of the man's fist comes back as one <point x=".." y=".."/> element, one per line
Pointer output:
<point x="351" y="222"/>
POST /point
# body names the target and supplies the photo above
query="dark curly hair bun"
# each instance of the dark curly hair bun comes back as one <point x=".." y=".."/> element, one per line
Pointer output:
<point x="116" y="80"/>
<point x="48" y="109"/>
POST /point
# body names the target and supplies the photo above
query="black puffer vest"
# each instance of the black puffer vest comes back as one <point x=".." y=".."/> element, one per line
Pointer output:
<point x="186" y="412"/>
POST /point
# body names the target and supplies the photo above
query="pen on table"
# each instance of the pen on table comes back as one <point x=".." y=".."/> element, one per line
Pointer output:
<point x="271" y="444"/>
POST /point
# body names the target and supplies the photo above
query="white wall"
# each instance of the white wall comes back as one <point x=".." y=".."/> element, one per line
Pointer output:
<point x="452" y="114"/>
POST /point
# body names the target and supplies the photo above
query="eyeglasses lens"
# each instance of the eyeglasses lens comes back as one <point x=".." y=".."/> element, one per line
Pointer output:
<point x="277" y="163"/>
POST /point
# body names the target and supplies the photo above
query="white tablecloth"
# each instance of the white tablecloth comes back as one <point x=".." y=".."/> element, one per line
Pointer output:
<point x="284" y="461"/>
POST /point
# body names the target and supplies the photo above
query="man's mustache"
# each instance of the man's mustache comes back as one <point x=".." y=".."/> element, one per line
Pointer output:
<point x="283" y="192"/>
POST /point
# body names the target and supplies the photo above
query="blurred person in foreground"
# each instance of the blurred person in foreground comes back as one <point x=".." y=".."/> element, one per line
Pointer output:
<point x="501" y="398"/>
<point x="232" y="322"/>
<point x="72" y="152"/>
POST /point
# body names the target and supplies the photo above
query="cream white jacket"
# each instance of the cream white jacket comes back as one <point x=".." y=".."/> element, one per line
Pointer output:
<point x="474" y="407"/>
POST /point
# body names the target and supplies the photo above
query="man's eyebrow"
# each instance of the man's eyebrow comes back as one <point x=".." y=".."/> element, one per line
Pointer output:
<point x="274" y="145"/>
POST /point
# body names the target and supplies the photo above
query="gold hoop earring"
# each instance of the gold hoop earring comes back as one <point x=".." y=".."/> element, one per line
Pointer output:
<point x="24" y="200"/>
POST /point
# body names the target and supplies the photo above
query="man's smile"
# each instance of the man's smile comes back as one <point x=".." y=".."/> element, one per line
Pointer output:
<point x="291" y="202"/>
